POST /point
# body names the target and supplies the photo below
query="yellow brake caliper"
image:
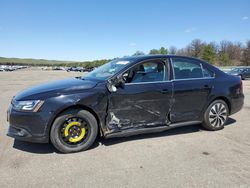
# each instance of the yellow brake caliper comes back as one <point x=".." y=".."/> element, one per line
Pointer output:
<point x="80" y="137"/>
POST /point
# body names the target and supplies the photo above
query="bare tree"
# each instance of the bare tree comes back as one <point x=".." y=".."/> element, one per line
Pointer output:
<point x="180" y="51"/>
<point x="172" y="50"/>
<point x="184" y="51"/>
<point x="195" y="48"/>
<point x="246" y="54"/>
<point x="234" y="50"/>
<point x="223" y="46"/>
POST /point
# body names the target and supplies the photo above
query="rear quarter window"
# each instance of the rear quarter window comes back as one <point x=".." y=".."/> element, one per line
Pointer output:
<point x="207" y="73"/>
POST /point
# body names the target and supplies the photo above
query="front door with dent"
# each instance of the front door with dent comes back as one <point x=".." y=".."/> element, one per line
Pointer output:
<point x="145" y="99"/>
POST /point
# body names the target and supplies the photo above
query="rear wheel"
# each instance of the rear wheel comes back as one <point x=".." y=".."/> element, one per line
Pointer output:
<point x="216" y="115"/>
<point x="74" y="131"/>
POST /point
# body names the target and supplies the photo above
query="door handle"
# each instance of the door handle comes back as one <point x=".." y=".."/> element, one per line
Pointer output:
<point x="164" y="91"/>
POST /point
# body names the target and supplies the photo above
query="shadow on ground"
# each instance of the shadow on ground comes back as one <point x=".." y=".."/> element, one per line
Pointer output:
<point x="33" y="147"/>
<point x="48" y="148"/>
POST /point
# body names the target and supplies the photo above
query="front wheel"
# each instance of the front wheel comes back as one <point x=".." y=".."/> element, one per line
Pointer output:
<point x="74" y="131"/>
<point x="216" y="115"/>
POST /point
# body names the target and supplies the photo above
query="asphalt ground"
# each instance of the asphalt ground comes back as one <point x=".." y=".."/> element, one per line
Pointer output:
<point x="183" y="157"/>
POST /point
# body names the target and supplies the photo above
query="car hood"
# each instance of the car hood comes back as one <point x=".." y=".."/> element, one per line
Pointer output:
<point x="55" y="88"/>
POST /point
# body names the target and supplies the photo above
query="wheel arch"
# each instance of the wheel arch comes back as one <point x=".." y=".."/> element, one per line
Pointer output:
<point x="225" y="99"/>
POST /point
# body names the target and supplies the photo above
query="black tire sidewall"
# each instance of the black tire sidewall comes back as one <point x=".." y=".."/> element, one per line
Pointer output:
<point x="206" y="123"/>
<point x="242" y="77"/>
<point x="60" y="145"/>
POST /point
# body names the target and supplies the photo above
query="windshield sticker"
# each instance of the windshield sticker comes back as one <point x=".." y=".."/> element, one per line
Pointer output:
<point x="122" y="62"/>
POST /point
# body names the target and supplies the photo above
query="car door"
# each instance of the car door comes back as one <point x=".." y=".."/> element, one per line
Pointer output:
<point x="145" y="99"/>
<point x="192" y="85"/>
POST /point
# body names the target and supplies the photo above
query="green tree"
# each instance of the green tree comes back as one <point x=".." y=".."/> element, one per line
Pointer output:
<point x="163" y="50"/>
<point x="154" y="51"/>
<point x="138" y="53"/>
<point x="224" y="59"/>
<point x="208" y="53"/>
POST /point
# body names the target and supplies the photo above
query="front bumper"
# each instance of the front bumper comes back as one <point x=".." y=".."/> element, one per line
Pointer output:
<point x="28" y="126"/>
<point x="22" y="134"/>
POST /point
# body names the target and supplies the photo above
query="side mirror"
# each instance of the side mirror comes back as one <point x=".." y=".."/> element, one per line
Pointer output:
<point x="114" y="83"/>
<point x="111" y="87"/>
<point x="120" y="81"/>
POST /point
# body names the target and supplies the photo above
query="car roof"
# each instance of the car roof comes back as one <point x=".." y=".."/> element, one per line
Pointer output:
<point x="148" y="57"/>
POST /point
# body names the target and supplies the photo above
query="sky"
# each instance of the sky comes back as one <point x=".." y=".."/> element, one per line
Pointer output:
<point x="83" y="30"/>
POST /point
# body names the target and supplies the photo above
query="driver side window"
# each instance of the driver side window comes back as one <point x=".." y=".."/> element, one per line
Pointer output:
<point x="150" y="71"/>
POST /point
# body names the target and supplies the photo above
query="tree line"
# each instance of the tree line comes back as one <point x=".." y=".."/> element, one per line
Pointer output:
<point x="44" y="62"/>
<point x="224" y="53"/>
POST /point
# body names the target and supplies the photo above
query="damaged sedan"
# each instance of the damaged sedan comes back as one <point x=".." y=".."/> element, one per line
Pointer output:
<point x="127" y="96"/>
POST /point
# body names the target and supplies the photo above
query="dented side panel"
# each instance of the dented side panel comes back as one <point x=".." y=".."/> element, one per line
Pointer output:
<point x="139" y="105"/>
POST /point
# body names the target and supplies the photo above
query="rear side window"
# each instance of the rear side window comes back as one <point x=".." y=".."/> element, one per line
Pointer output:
<point x="186" y="68"/>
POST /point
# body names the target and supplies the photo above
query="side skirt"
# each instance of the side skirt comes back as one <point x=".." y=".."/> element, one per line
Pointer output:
<point x="131" y="132"/>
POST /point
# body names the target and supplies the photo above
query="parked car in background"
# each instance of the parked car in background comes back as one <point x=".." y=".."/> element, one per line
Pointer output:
<point x="89" y="69"/>
<point x="10" y="68"/>
<point x="57" y="68"/>
<point x="79" y="69"/>
<point x="76" y="69"/>
<point x="243" y="72"/>
<point x="128" y="96"/>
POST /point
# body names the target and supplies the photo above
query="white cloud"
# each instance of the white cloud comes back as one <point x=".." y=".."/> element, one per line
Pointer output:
<point x="132" y="44"/>
<point x="189" y="30"/>
<point x="244" y="18"/>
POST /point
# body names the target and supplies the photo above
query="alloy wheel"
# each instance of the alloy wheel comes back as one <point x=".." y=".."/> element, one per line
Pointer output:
<point x="218" y="115"/>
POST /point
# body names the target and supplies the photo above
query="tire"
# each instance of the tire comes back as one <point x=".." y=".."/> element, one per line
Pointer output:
<point x="79" y="123"/>
<point x="216" y="115"/>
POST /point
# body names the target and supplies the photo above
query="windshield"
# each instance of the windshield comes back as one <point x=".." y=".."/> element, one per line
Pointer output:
<point x="107" y="70"/>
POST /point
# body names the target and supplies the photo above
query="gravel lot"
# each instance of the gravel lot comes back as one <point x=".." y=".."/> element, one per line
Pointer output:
<point x="182" y="157"/>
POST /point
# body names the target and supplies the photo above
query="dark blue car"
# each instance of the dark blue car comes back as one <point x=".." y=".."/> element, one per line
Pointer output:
<point x="127" y="96"/>
<point x="242" y="72"/>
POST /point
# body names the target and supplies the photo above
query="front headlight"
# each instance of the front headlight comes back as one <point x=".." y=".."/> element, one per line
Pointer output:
<point x="30" y="106"/>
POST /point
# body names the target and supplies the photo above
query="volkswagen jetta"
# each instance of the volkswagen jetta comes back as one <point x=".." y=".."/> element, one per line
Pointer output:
<point x="127" y="96"/>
